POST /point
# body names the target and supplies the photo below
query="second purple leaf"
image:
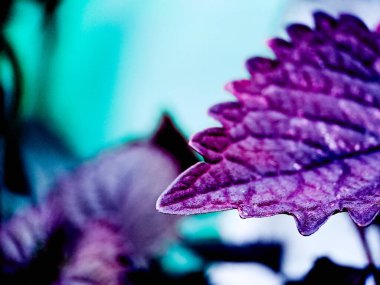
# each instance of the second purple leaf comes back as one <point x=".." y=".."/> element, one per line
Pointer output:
<point x="302" y="139"/>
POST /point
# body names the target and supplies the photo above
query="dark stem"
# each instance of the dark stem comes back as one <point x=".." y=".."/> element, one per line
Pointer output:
<point x="11" y="118"/>
<point x="15" y="175"/>
<point x="367" y="250"/>
<point x="364" y="241"/>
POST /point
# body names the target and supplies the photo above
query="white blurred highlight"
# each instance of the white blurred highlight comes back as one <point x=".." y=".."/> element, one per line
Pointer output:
<point x="337" y="239"/>
<point x="226" y="273"/>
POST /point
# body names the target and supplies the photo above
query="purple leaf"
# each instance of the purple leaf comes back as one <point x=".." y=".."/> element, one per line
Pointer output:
<point x="302" y="139"/>
<point x="121" y="186"/>
<point x="21" y="236"/>
<point x="97" y="257"/>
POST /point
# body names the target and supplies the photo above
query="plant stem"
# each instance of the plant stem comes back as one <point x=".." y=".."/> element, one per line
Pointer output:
<point x="367" y="250"/>
<point x="364" y="241"/>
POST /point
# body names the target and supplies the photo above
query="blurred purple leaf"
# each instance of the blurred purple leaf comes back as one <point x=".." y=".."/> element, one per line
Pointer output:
<point x="21" y="236"/>
<point x="33" y="246"/>
<point x="121" y="186"/>
<point x="302" y="139"/>
<point x="118" y="189"/>
<point x="97" y="257"/>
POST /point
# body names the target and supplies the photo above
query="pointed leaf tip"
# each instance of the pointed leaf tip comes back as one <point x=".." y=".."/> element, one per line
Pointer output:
<point x="303" y="137"/>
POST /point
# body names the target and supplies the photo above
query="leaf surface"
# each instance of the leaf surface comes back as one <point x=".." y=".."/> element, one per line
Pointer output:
<point x="302" y="139"/>
<point x="97" y="257"/>
<point x="121" y="186"/>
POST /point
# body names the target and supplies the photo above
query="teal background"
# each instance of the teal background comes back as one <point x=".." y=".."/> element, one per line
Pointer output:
<point x="110" y="68"/>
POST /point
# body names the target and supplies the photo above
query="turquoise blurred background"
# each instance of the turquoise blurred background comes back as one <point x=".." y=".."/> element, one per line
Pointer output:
<point x="106" y="70"/>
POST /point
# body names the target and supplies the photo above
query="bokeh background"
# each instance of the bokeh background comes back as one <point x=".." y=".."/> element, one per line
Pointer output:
<point x="100" y="72"/>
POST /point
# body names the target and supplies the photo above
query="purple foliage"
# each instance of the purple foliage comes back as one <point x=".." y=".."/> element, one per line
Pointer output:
<point x="97" y="257"/>
<point x="101" y="211"/>
<point x="302" y="139"/>
<point x="22" y="236"/>
<point x="121" y="187"/>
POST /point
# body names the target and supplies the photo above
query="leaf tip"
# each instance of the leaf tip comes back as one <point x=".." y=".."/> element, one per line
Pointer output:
<point x="308" y="223"/>
<point x="162" y="203"/>
<point x="323" y="21"/>
<point x="364" y="216"/>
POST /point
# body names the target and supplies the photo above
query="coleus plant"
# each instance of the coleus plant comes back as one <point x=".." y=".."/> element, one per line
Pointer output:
<point x="303" y="137"/>
<point x="99" y="220"/>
